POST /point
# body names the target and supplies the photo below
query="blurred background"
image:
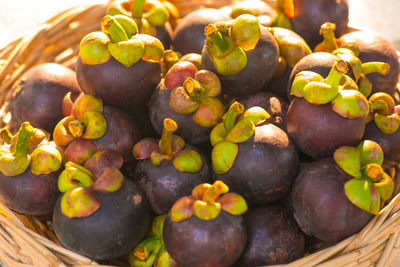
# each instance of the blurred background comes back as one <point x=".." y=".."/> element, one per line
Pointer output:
<point x="19" y="16"/>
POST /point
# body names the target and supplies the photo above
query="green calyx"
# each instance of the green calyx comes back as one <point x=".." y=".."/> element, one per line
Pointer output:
<point x="198" y="95"/>
<point x="285" y="11"/>
<point x="328" y="32"/>
<point x="237" y="126"/>
<point x="151" y="251"/>
<point x="386" y="119"/>
<point x="226" y="43"/>
<point x="371" y="186"/>
<point x="348" y="103"/>
<point x="27" y="148"/>
<point x="170" y="148"/>
<point x="120" y="39"/>
<point x="86" y="121"/>
<point x="81" y="187"/>
<point x="207" y="201"/>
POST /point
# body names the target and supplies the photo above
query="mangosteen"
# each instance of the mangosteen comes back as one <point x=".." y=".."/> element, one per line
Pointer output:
<point x="374" y="48"/>
<point x="151" y="16"/>
<point x="292" y="48"/>
<point x="325" y="115"/>
<point x="119" y="65"/>
<point x="103" y="127"/>
<point x="189" y="33"/>
<point x="38" y="95"/>
<point x="206" y="229"/>
<point x="305" y="17"/>
<point x="384" y="127"/>
<point x="273" y="237"/>
<point x="168" y="169"/>
<point x="242" y="53"/>
<point x="274" y="105"/>
<point x="100" y="213"/>
<point x="29" y="167"/>
<point x="151" y="251"/>
<point x="256" y="160"/>
<point x="189" y="97"/>
<point x="334" y="198"/>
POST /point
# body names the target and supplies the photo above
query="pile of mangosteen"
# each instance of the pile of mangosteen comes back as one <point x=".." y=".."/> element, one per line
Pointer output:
<point x="228" y="137"/>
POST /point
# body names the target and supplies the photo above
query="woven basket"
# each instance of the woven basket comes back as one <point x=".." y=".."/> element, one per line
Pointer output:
<point x="28" y="241"/>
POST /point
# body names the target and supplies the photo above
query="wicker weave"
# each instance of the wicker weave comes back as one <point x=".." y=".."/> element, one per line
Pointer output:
<point x="27" y="241"/>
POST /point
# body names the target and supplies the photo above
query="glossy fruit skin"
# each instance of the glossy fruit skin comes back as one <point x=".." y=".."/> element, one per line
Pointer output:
<point x="199" y="243"/>
<point x="273" y="237"/>
<point x="39" y="94"/>
<point x="321" y="206"/>
<point x="187" y="129"/>
<point x="262" y="62"/>
<point x="319" y="62"/>
<point x="390" y="144"/>
<point x="311" y="14"/>
<point x="318" y="131"/>
<point x="121" y="135"/>
<point x="118" y="85"/>
<point x="30" y="194"/>
<point x="273" y="104"/>
<point x="373" y="47"/>
<point x="116" y="228"/>
<point x="164" y="184"/>
<point x="265" y="166"/>
<point x="189" y="34"/>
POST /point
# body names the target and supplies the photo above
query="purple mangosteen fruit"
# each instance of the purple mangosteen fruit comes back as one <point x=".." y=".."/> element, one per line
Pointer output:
<point x="206" y="228"/>
<point x="256" y="160"/>
<point x="100" y="214"/>
<point x="334" y="198"/>
<point x="29" y="166"/>
<point x="242" y="53"/>
<point x="38" y="95"/>
<point x="118" y="64"/>
<point x="325" y="115"/>
<point x="168" y="169"/>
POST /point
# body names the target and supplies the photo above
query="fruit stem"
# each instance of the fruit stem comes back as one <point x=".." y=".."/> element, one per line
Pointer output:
<point x="5" y="135"/>
<point x="137" y="9"/>
<point x="380" y="67"/>
<point x="380" y="107"/>
<point x="114" y="30"/>
<point x="145" y="250"/>
<point x="211" y="32"/>
<point x="170" y="127"/>
<point x="339" y="69"/>
<point x="194" y="88"/>
<point x="328" y="32"/>
<point x="229" y="119"/>
<point x="374" y="172"/>
<point x="25" y="132"/>
<point x="218" y="188"/>
<point x="76" y="128"/>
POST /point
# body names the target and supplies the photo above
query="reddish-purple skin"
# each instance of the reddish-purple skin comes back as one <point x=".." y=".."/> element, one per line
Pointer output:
<point x="318" y="131"/>
<point x="265" y="166"/>
<point x="373" y="47"/>
<point x="118" y="85"/>
<point x="274" y="105"/>
<point x="164" y="184"/>
<point x="309" y="15"/>
<point x="390" y="144"/>
<point x="273" y="237"/>
<point x="319" y="62"/>
<point x="262" y="62"/>
<point x="199" y="243"/>
<point x="115" y="229"/>
<point x="164" y="34"/>
<point x="30" y="194"/>
<point x="189" y="34"/>
<point x="39" y="94"/>
<point x="159" y="109"/>
<point x="321" y="206"/>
